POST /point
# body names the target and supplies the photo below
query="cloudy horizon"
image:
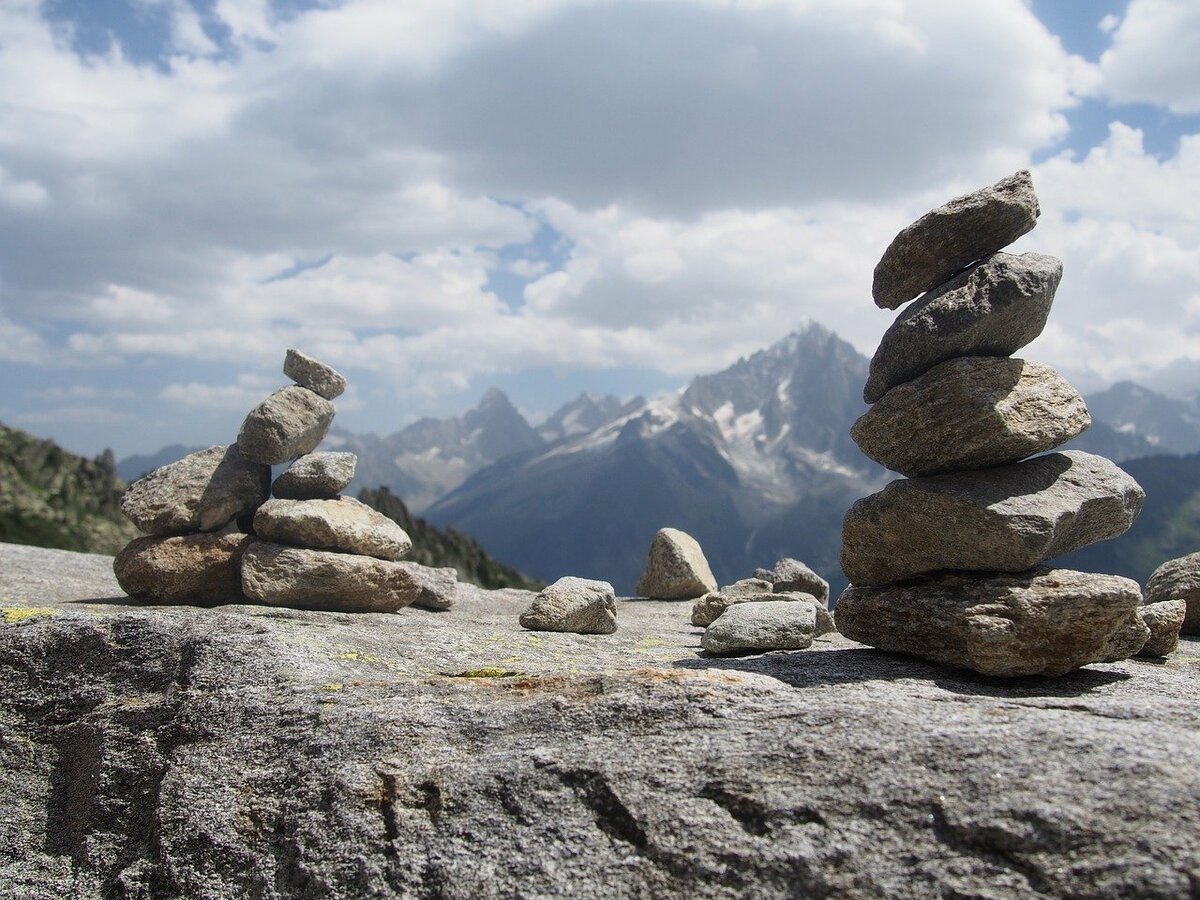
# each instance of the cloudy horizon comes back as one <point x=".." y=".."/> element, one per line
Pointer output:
<point x="551" y="197"/>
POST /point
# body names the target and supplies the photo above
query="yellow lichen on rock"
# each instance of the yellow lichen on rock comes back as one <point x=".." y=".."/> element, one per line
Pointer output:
<point x="21" y="613"/>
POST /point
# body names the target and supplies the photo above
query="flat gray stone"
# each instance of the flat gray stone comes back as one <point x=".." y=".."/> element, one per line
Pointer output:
<point x="1045" y="622"/>
<point x="758" y="627"/>
<point x="319" y="579"/>
<point x="343" y="524"/>
<point x="316" y="476"/>
<point x="710" y="607"/>
<point x="945" y="240"/>
<point x="313" y="374"/>
<point x="439" y="586"/>
<point x="286" y="753"/>
<point x="992" y="309"/>
<point x="204" y="491"/>
<point x="289" y="423"/>
<point x="1006" y="519"/>
<point x="578" y="605"/>
<point x="1126" y="641"/>
<point x="1178" y="579"/>
<point x="675" y="568"/>
<point x="1165" y="620"/>
<point x="970" y="413"/>
<point x="192" y="568"/>
<point x="792" y="575"/>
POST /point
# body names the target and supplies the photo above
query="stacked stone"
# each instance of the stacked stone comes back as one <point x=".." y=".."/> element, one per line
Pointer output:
<point x="307" y="547"/>
<point x="946" y="563"/>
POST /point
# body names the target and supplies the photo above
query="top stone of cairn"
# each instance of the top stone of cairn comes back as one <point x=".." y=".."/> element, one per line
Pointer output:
<point x="946" y="240"/>
<point x="313" y="374"/>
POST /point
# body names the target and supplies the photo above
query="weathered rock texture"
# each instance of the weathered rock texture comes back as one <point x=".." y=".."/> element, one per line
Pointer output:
<point x="675" y="568"/>
<point x="439" y="586"/>
<point x="316" y="476"/>
<point x="171" y="752"/>
<point x="289" y="423"/>
<point x="204" y="491"/>
<point x="344" y="524"/>
<point x="1008" y="519"/>
<point x="313" y="374"/>
<point x="760" y="627"/>
<point x="709" y="608"/>
<point x="1164" y="619"/>
<point x="1126" y="641"/>
<point x="1046" y="622"/>
<point x="992" y="309"/>
<point x="571" y="604"/>
<point x="192" y="568"/>
<point x="945" y="240"/>
<point x="319" y="579"/>
<point x="1178" y="579"/>
<point x="970" y="413"/>
<point x="790" y="575"/>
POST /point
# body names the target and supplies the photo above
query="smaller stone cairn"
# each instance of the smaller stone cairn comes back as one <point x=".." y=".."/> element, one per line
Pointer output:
<point x="946" y="563"/>
<point x="215" y="535"/>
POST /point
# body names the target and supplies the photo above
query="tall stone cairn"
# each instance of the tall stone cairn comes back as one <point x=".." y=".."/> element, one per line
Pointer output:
<point x="947" y="563"/>
<point x="215" y="535"/>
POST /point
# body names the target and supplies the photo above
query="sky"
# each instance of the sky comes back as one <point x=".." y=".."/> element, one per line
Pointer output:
<point x="554" y="196"/>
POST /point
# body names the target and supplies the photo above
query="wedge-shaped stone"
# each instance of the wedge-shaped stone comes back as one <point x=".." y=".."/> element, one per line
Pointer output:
<point x="945" y="240"/>
<point x="319" y="579"/>
<point x="710" y="607"/>
<point x="313" y="374"/>
<point x="316" y="476"/>
<point x="1045" y="622"/>
<point x="204" y="491"/>
<point x="675" y="568"/>
<point x="792" y="575"/>
<point x="200" y="569"/>
<point x="343" y="524"/>
<point x="970" y="413"/>
<point x="289" y="423"/>
<point x="759" y="627"/>
<point x="992" y="309"/>
<point x="439" y="587"/>
<point x="572" y="604"/>
<point x="1007" y="519"/>
<point x="1164" y="619"/>
<point x="1126" y="641"/>
<point x="1178" y="579"/>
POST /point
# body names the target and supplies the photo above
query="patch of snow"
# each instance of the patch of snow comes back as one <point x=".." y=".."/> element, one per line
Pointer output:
<point x="1127" y="428"/>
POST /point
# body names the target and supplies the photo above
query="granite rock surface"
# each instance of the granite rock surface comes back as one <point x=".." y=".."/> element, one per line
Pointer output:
<point x="289" y="423"/>
<point x="945" y="240"/>
<point x="992" y="309"/>
<point x="176" y="752"/>
<point x="1008" y="518"/>
<point x="204" y="491"/>
<point x="190" y="568"/>
<point x="319" y="579"/>
<point x="345" y="525"/>
<point x="316" y="476"/>
<point x="1045" y="622"/>
<point x="971" y="413"/>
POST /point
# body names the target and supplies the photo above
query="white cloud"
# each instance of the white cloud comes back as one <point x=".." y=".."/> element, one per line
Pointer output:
<point x="720" y="170"/>
<point x="1127" y="227"/>
<point x="244" y="394"/>
<point x="1154" y="56"/>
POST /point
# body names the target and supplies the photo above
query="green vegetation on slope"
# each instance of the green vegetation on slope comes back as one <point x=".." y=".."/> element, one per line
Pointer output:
<point x="432" y="547"/>
<point x="52" y="498"/>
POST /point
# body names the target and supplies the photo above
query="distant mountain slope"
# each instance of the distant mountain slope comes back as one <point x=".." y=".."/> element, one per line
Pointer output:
<point x="52" y="498"/>
<point x="755" y="462"/>
<point x="1166" y="425"/>
<point x="451" y="548"/>
<point x="431" y="457"/>
<point x="583" y="415"/>
<point x="1169" y="525"/>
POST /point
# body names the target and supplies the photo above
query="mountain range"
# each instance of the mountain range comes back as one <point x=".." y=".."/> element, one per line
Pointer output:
<point x="755" y="461"/>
